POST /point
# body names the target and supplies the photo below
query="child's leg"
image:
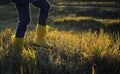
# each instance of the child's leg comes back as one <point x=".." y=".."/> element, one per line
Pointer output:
<point x="42" y="28"/>
<point x="24" y="19"/>
<point x="44" y="6"/>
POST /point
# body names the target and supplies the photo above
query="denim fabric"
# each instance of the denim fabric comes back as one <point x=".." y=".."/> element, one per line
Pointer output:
<point x="24" y="1"/>
<point x="24" y="15"/>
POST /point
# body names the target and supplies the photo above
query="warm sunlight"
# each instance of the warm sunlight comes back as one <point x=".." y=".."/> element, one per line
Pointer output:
<point x="76" y="37"/>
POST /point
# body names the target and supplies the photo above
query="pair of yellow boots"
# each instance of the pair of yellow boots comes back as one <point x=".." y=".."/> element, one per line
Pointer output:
<point x="40" y="38"/>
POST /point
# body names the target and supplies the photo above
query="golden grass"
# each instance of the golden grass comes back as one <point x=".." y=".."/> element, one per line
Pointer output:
<point x="68" y="43"/>
<point x="104" y="21"/>
<point x="72" y="49"/>
<point x="72" y="43"/>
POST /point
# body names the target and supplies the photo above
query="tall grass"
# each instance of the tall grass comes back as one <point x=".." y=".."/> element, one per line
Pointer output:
<point x="77" y="48"/>
<point x="73" y="53"/>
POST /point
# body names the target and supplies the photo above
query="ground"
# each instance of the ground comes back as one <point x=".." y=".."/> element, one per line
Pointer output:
<point x="85" y="37"/>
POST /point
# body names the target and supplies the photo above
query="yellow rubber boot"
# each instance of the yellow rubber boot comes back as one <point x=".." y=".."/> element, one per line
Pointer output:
<point x="40" y="36"/>
<point x="18" y="43"/>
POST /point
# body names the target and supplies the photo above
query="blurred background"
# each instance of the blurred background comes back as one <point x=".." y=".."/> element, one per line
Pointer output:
<point x="86" y="35"/>
<point x="8" y="1"/>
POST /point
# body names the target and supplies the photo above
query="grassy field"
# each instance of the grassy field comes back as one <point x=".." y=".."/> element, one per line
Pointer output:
<point x="86" y="40"/>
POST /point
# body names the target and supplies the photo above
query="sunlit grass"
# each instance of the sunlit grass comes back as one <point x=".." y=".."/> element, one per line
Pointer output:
<point x="85" y="46"/>
<point x="74" y="52"/>
<point x="104" y="21"/>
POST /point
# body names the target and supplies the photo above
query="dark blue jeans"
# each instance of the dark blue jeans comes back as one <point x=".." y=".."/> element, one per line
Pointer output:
<point x="24" y="15"/>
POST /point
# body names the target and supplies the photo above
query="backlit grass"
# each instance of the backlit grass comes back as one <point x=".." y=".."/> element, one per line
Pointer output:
<point x="79" y="48"/>
<point x="104" y="21"/>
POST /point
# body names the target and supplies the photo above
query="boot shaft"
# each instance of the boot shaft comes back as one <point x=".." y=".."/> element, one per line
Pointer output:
<point x="40" y="36"/>
<point x="41" y="30"/>
<point x="18" y="43"/>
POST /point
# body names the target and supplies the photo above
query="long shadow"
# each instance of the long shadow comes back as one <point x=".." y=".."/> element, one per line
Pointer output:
<point x="95" y="12"/>
<point x="86" y="25"/>
<point x="102" y="13"/>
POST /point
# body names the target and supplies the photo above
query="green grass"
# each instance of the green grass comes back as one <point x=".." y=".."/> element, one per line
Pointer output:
<point x="80" y="42"/>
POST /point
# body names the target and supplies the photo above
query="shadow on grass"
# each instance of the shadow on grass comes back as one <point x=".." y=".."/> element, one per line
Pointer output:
<point x="89" y="11"/>
<point x="102" y="13"/>
<point x="86" y="25"/>
<point x="50" y="61"/>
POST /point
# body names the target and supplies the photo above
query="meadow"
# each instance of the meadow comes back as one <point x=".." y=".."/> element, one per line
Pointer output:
<point x="86" y="40"/>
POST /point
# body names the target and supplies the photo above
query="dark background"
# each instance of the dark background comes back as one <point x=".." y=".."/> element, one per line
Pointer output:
<point x="9" y="1"/>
